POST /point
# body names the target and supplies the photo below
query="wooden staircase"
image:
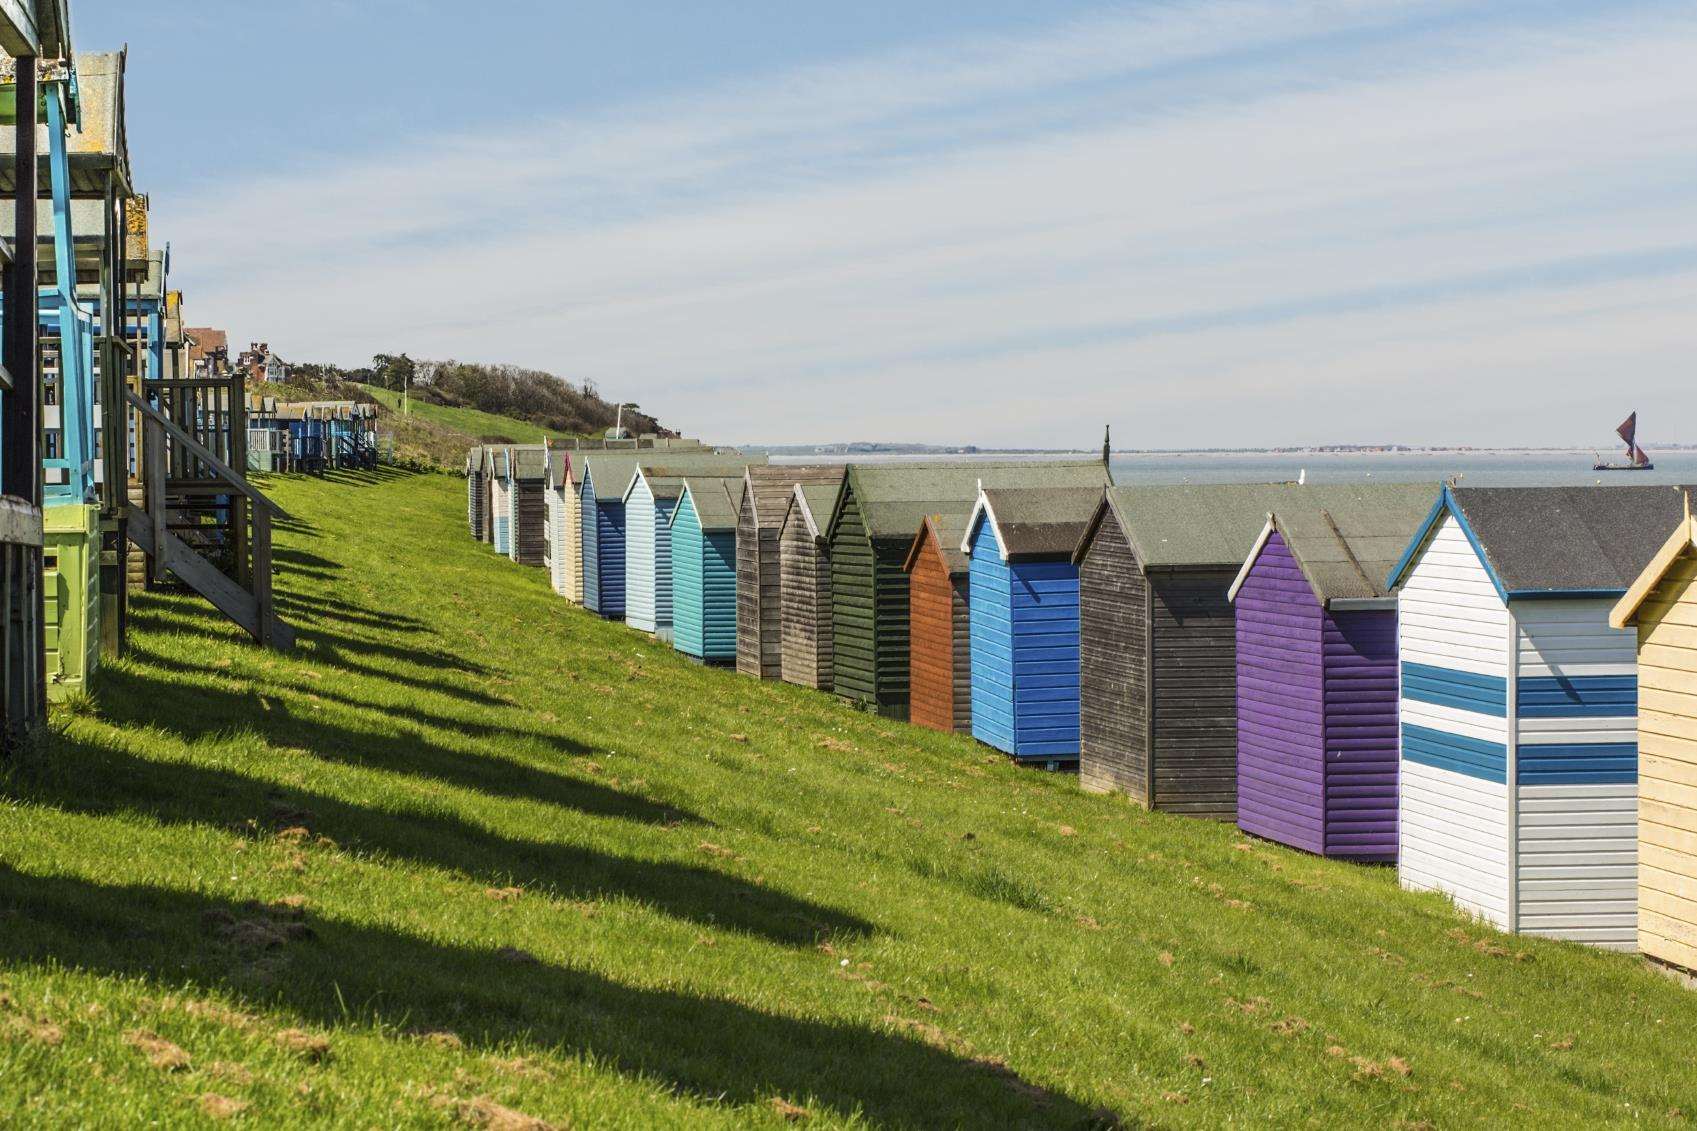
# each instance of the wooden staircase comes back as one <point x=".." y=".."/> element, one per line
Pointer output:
<point x="250" y="605"/>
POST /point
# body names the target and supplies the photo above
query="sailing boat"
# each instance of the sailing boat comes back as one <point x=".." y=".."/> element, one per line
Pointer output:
<point x="1637" y="458"/>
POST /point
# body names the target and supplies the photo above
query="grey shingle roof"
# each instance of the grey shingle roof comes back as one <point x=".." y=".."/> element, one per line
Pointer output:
<point x="1198" y="525"/>
<point x="530" y="461"/>
<point x="1550" y="539"/>
<point x="774" y="484"/>
<point x="817" y="501"/>
<point x="612" y="471"/>
<point x="950" y="530"/>
<point x="895" y="498"/>
<point x="666" y="480"/>
<point x="1040" y="523"/>
<point x="716" y="499"/>
<point x="1346" y="538"/>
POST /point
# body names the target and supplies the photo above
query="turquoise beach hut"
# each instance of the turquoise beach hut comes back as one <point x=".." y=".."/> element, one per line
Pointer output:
<point x="649" y="501"/>
<point x="704" y="568"/>
<point x="1023" y="619"/>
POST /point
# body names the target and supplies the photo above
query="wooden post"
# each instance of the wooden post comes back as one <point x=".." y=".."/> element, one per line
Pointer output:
<point x="262" y="574"/>
<point x="153" y="487"/>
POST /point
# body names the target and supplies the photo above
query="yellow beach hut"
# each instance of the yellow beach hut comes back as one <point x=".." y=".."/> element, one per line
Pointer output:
<point x="1662" y="606"/>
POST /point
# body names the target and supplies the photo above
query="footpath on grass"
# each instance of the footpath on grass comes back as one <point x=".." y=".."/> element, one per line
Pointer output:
<point x="470" y="855"/>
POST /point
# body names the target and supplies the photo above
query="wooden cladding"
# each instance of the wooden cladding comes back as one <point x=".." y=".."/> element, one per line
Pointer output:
<point x="806" y="612"/>
<point x="941" y="667"/>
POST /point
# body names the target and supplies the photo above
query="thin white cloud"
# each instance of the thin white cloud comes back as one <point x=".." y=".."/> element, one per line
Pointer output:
<point x="1211" y="223"/>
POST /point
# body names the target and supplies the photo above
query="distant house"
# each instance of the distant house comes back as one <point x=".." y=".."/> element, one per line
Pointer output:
<point x="260" y="364"/>
<point x="209" y="351"/>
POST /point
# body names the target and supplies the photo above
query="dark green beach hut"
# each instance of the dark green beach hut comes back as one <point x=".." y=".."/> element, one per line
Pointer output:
<point x="869" y="536"/>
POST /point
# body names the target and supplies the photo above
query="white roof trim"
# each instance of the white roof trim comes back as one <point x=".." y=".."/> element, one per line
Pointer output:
<point x="1261" y="541"/>
<point x="636" y="477"/>
<point x="799" y="501"/>
<point x="983" y="507"/>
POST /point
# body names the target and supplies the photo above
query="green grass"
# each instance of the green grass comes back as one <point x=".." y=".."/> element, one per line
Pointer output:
<point x="478" y="426"/>
<point x="470" y="849"/>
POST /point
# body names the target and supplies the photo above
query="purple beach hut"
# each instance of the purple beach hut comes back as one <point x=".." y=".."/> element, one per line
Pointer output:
<point x="1317" y="677"/>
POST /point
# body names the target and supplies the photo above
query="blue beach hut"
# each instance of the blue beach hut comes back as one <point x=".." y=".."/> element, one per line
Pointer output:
<point x="1023" y="619"/>
<point x="602" y="512"/>
<point x="704" y="568"/>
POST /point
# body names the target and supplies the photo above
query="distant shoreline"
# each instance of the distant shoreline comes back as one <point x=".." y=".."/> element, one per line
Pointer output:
<point x="843" y="450"/>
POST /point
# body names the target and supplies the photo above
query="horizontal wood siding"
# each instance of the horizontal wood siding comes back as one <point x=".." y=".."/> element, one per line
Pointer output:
<point x="960" y="598"/>
<point x="554" y="537"/>
<point x="932" y="640"/>
<point x="1195" y="693"/>
<point x="640" y="546"/>
<point x="572" y="512"/>
<point x="1114" y="686"/>
<point x="1576" y="763"/>
<point x="474" y="503"/>
<point x="992" y="629"/>
<point x="806" y="606"/>
<point x="1452" y="799"/>
<point x="1667" y="784"/>
<point x="529" y="510"/>
<point x="1046" y="660"/>
<point x="589" y="533"/>
<point x="891" y="627"/>
<point x="1361" y="735"/>
<point x="719" y="597"/>
<point x="689" y="634"/>
<point x="854" y="669"/>
<point x="1281" y="703"/>
<point x="500" y="523"/>
<point x="749" y="621"/>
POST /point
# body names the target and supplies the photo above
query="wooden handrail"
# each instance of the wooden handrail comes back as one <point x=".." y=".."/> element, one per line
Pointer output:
<point x="184" y="440"/>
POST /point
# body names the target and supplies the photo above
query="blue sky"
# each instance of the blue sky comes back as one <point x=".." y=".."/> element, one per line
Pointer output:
<point x="1209" y="222"/>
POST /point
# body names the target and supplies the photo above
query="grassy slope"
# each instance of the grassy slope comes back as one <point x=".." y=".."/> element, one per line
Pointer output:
<point x="477" y="426"/>
<point x="543" y="863"/>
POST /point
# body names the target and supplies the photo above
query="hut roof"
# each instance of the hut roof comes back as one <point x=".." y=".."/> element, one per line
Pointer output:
<point x="1557" y="541"/>
<point x="612" y="472"/>
<point x="895" y="498"/>
<point x="950" y="531"/>
<point x="98" y="144"/>
<point x="666" y="479"/>
<point x="815" y="501"/>
<point x="1190" y="526"/>
<point x="1044" y="522"/>
<point x="716" y="499"/>
<point x="559" y="466"/>
<point x="1681" y="542"/>
<point x="773" y="484"/>
<point x="1345" y="539"/>
<point x="530" y="461"/>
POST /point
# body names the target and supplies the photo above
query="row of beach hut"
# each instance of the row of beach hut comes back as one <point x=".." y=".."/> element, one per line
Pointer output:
<point x="1491" y="688"/>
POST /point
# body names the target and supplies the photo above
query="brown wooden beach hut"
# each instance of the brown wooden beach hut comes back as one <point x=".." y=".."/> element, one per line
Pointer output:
<point x="766" y="496"/>
<point x="805" y="562"/>
<point x="528" y="480"/>
<point x="940" y="656"/>
<point x="1158" y="694"/>
<point x="870" y="534"/>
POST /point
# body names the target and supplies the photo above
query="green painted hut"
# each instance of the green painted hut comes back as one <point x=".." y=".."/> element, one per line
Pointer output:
<point x="870" y="534"/>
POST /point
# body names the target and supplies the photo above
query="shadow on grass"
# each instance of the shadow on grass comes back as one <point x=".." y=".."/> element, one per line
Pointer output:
<point x="706" y="1048"/>
<point x="195" y="712"/>
<point x="184" y="793"/>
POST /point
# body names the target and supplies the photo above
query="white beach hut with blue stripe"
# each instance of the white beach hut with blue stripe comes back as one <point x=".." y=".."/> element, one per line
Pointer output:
<point x="1519" y="759"/>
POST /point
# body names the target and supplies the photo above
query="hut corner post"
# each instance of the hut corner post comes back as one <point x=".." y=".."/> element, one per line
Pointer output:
<point x="21" y="474"/>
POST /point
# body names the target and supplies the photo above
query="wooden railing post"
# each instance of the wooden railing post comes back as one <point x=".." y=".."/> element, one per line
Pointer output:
<point x="262" y="573"/>
<point x="153" y="489"/>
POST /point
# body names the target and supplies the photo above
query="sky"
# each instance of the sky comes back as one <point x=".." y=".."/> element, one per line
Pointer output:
<point x="1208" y="223"/>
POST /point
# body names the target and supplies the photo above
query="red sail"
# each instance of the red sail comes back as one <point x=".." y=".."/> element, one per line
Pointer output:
<point x="1628" y="431"/>
<point x="1640" y="458"/>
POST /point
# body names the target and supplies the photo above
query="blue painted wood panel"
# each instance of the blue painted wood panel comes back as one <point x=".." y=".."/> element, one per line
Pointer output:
<point x="704" y="588"/>
<point x="1024" y="631"/>
<point x="590" y="556"/>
